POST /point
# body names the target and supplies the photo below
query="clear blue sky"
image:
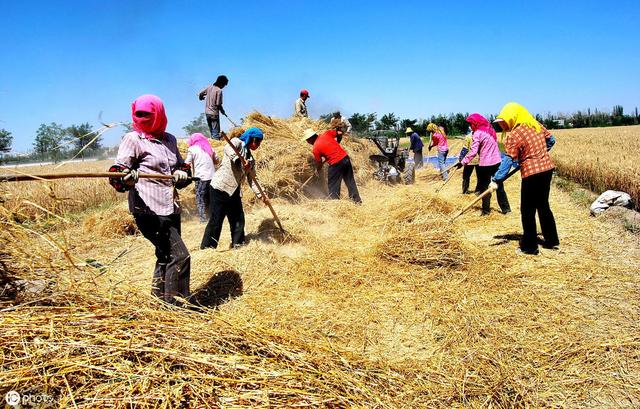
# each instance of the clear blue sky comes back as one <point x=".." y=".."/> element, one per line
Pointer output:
<point x="66" y="61"/>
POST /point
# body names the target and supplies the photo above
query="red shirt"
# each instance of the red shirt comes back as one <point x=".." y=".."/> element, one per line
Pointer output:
<point x="530" y="149"/>
<point x="327" y="147"/>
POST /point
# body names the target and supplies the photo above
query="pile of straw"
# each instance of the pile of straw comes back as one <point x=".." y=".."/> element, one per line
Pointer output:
<point x="115" y="221"/>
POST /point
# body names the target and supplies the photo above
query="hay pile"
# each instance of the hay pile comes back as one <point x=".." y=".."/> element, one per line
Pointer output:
<point x="115" y="221"/>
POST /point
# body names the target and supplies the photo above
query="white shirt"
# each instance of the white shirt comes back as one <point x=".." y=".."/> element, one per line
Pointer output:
<point x="201" y="163"/>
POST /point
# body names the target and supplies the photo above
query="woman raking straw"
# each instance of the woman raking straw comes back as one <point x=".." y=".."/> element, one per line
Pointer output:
<point x="485" y="145"/>
<point x="154" y="203"/>
<point x="528" y="144"/>
<point x="439" y="139"/>
<point x="202" y="160"/>
<point x="226" y="194"/>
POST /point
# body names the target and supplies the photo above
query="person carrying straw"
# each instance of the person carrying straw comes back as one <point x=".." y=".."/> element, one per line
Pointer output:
<point x="226" y="192"/>
<point x="154" y="203"/>
<point x="528" y="144"/>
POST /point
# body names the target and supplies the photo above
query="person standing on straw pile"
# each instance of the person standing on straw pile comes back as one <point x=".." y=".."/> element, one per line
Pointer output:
<point x="439" y="139"/>
<point x="300" y="107"/>
<point x="203" y="161"/>
<point x="346" y="125"/>
<point x="213" y="104"/>
<point x="485" y="145"/>
<point x="469" y="167"/>
<point x="415" y="146"/>
<point x="326" y="146"/>
<point x="528" y="144"/>
<point x="154" y="203"/>
<point x="226" y="192"/>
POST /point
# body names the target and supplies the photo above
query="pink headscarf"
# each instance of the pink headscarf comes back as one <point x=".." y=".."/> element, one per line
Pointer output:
<point x="480" y="123"/>
<point x="200" y="140"/>
<point x="154" y="124"/>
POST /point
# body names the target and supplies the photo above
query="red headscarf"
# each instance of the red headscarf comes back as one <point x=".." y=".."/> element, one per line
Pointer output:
<point x="154" y="124"/>
<point x="480" y="123"/>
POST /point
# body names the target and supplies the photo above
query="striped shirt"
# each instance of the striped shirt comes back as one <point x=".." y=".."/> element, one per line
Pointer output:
<point x="530" y="150"/>
<point x="151" y="196"/>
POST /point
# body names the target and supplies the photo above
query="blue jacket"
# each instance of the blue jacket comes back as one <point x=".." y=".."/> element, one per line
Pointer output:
<point x="416" y="143"/>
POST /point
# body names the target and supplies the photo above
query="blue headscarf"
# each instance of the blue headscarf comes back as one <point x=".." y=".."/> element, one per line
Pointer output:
<point x="251" y="133"/>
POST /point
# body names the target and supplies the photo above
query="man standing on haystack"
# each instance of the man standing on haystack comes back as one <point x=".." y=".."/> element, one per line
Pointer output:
<point x="346" y="125"/>
<point x="213" y="105"/>
<point x="327" y="146"/>
<point x="301" y="105"/>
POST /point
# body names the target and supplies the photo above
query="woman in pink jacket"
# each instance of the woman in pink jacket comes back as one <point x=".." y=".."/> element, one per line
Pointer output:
<point x="485" y="144"/>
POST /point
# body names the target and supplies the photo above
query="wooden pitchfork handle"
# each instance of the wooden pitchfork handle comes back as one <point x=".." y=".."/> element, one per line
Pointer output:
<point x="83" y="175"/>
<point x="483" y="194"/>
<point x="253" y="178"/>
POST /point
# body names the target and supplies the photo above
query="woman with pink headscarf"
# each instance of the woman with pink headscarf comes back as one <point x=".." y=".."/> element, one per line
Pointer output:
<point x="202" y="160"/>
<point x="154" y="203"/>
<point x="484" y="143"/>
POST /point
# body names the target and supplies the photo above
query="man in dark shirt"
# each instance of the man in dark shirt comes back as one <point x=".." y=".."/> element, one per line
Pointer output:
<point x="326" y="146"/>
<point x="213" y="104"/>
<point x="416" y="148"/>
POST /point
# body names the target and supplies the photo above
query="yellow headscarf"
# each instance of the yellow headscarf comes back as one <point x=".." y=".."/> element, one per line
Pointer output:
<point x="435" y="128"/>
<point x="515" y="114"/>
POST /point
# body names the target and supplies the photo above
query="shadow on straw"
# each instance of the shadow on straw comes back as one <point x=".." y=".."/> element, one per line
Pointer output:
<point x="506" y="238"/>
<point x="220" y="288"/>
<point x="269" y="232"/>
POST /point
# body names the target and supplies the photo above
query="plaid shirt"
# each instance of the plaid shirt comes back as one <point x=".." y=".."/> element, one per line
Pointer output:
<point x="530" y="150"/>
<point x="151" y="196"/>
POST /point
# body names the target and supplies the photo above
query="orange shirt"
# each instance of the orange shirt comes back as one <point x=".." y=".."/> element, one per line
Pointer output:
<point x="530" y="150"/>
<point x="327" y="147"/>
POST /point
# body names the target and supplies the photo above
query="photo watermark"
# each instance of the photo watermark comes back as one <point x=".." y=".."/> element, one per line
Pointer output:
<point x="14" y="398"/>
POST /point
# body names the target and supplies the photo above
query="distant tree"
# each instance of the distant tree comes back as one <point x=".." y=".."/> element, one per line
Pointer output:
<point x="5" y="140"/>
<point x="47" y="144"/>
<point x="327" y="117"/>
<point x="458" y="124"/>
<point x="128" y="126"/>
<point x="388" y="121"/>
<point x="81" y="135"/>
<point x="409" y="123"/>
<point x="361" y="123"/>
<point x="197" y="125"/>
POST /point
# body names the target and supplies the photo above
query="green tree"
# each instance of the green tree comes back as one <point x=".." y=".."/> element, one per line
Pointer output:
<point x="388" y="121"/>
<point x="361" y="123"/>
<point x="5" y="140"/>
<point x="47" y="144"/>
<point x="80" y="136"/>
<point x="197" y="125"/>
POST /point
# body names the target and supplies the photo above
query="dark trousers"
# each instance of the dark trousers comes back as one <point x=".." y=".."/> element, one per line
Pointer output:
<point x="173" y="266"/>
<point x="343" y="171"/>
<point x="418" y="160"/>
<point x="202" y="198"/>
<point x="222" y="205"/>
<point x="466" y="178"/>
<point x="214" y="126"/>
<point x="534" y="198"/>
<point x="484" y="174"/>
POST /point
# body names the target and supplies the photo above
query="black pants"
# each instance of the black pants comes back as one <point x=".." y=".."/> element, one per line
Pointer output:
<point x="343" y="171"/>
<point x="173" y="266"/>
<point x="222" y="205"/>
<point x="484" y="174"/>
<point x="535" y="198"/>
<point x="466" y="178"/>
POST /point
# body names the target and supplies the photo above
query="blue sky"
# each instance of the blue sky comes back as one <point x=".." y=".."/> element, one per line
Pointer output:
<point x="67" y="61"/>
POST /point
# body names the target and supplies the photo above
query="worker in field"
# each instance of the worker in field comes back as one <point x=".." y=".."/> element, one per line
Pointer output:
<point x="439" y="139"/>
<point x="326" y="146"/>
<point x="203" y="161"/>
<point x="212" y="95"/>
<point x="154" y="203"/>
<point x="226" y="192"/>
<point x="527" y="146"/>
<point x="300" y="107"/>
<point x="415" y="146"/>
<point x="468" y="169"/>
<point x="346" y="125"/>
<point x="485" y="145"/>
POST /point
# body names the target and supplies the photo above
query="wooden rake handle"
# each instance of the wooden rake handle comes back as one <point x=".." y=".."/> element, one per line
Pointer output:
<point x="81" y="175"/>
<point x="483" y="194"/>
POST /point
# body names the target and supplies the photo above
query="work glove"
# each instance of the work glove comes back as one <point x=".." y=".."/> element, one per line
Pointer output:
<point x="458" y="165"/>
<point x="493" y="186"/>
<point x="182" y="176"/>
<point x="123" y="183"/>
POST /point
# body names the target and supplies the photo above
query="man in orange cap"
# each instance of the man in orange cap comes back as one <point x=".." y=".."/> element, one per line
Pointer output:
<point x="301" y="106"/>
